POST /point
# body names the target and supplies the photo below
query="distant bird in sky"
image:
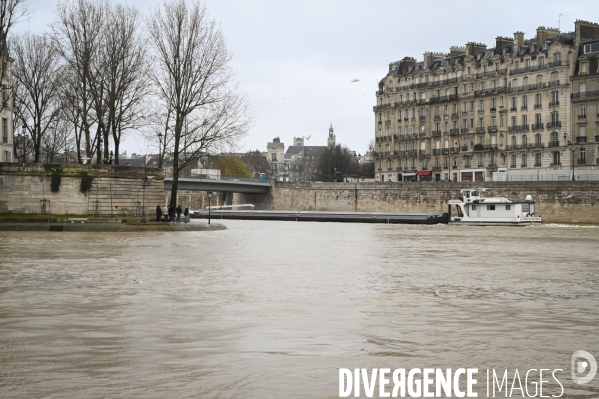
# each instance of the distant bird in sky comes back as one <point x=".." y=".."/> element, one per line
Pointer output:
<point x="284" y="98"/>
<point x="354" y="81"/>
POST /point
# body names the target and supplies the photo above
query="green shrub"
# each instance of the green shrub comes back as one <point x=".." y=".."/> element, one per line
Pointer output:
<point x="86" y="183"/>
<point x="56" y="173"/>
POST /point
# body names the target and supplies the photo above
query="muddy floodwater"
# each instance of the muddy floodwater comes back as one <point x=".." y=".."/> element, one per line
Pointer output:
<point x="275" y="309"/>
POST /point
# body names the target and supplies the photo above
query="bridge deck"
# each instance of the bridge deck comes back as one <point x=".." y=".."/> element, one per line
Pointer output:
<point x="229" y="186"/>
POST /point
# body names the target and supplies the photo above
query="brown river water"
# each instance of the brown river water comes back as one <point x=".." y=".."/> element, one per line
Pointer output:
<point x="275" y="309"/>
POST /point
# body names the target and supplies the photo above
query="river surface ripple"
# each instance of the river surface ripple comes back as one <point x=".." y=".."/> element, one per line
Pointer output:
<point x="274" y="309"/>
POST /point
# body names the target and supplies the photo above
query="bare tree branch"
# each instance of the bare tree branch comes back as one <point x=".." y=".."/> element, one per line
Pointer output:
<point x="192" y="77"/>
<point x="37" y="72"/>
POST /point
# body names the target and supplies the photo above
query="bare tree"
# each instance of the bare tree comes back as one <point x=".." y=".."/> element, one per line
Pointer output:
<point x="123" y="56"/>
<point x="77" y="36"/>
<point x="11" y="12"/>
<point x="192" y="77"/>
<point x="36" y="70"/>
<point x="335" y="162"/>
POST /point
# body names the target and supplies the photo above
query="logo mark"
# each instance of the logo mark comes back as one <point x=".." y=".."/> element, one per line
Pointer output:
<point x="578" y="367"/>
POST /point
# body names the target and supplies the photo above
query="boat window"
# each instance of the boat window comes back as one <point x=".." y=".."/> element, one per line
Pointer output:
<point x="473" y="207"/>
<point x="475" y="193"/>
<point x="508" y="207"/>
<point x="490" y="207"/>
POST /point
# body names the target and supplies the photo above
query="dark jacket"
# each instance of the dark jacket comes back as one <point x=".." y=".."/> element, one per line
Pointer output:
<point x="171" y="210"/>
<point x="186" y="211"/>
<point x="179" y="210"/>
<point x="158" y="211"/>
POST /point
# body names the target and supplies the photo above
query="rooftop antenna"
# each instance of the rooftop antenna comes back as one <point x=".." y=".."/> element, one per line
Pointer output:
<point x="559" y="21"/>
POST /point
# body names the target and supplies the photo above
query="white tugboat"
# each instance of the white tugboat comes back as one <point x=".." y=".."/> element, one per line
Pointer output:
<point x="474" y="209"/>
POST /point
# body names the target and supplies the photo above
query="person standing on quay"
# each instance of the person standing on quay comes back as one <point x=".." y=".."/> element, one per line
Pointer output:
<point x="158" y="213"/>
<point x="186" y="214"/>
<point x="171" y="213"/>
<point x="179" y="211"/>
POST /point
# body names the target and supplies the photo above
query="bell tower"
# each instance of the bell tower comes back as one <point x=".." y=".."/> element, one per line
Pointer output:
<point x="331" y="139"/>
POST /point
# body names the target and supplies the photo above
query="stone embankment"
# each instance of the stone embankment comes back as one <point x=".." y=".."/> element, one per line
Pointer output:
<point x="111" y="190"/>
<point x="557" y="202"/>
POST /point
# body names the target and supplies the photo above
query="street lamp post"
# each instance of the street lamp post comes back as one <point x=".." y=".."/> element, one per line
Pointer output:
<point x="99" y="149"/>
<point x="573" y="147"/>
<point x="159" y="150"/>
<point x="24" y="153"/>
<point x="209" y="204"/>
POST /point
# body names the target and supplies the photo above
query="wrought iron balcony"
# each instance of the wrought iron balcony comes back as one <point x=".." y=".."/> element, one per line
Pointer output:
<point x="492" y="129"/>
<point x="524" y="128"/>
<point x="585" y="95"/>
<point x="480" y="129"/>
<point x="437" y="117"/>
<point x="524" y="107"/>
<point x="436" y="151"/>
<point x="553" y="103"/>
<point x="538" y="106"/>
<point x="513" y="108"/>
<point x="455" y="115"/>
<point x="464" y="130"/>
<point x="553" y="144"/>
<point x="436" y="133"/>
<point x="553" y="124"/>
<point x="493" y="109"/>
<point x="552" y="164"/>
<point x="537" y="126"/>
<point x="581" y="139"/>
<point x="454" y="131"/>
<point x="584" y="116"/>
<point x="464" y="148"/>
<point x="422" y="135"/>
<point x="422" y="118"/>
<point x="422" y="152"/>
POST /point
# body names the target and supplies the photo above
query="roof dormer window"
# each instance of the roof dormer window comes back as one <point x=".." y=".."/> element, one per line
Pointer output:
<point x="591" y="48"/>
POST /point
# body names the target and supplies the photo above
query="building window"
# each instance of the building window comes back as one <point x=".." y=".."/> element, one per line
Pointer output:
<point x="524" y="141"/>
<point x="508" y="207"/>
<point x="554" y="118"/>
<point x="537" y="160"/>
<point x="513" y="163"/>
<point x="538" y="140"/>
<point x="524" y="161"/>
<point x="556" y="159"/>
<point x="524" y="102"/>
<point x="557" y="57"/>
<point x="5" y="130"/>
<point x="481" y="105"/>
<point x="582" y="158"/>
<point x="467" y="161"/>
<point x="481" y="161"/>
<point x="538" y="100"/>
<point x="514" y="103"/>
<point x="582" y="111"/>
<point x="538" y="119"/>
<point x="524" y="121"/>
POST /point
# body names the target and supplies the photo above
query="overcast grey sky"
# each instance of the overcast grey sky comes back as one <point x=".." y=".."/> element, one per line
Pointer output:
<point x="295" y="58"/>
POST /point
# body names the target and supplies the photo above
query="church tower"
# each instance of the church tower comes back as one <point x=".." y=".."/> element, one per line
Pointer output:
<point x="331" y="139"/>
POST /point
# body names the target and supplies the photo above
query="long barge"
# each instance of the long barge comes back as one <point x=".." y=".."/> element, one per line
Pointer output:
<point x="314" y="216"/>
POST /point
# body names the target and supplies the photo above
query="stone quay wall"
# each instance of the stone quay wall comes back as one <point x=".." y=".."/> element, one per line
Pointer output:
<point x="556" y="202"/>
<point x="115" y="190"/>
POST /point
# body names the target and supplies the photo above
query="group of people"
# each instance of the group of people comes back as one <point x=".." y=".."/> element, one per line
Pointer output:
<point x="174" y="214"/>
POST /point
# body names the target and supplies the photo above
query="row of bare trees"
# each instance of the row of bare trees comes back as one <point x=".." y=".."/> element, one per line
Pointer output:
<point x="104" y="70"/>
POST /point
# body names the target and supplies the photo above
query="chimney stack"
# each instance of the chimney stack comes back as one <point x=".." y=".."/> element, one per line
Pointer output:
<point x="518" y="40"/>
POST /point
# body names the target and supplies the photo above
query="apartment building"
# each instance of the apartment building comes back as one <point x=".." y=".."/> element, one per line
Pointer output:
<point x="463" y="115"/>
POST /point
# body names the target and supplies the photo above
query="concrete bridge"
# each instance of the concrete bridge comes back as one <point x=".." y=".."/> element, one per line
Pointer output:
<point x="227" y="186"/>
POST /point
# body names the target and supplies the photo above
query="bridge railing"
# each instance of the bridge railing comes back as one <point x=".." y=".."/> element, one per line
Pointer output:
<point x="227" y="178"/>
